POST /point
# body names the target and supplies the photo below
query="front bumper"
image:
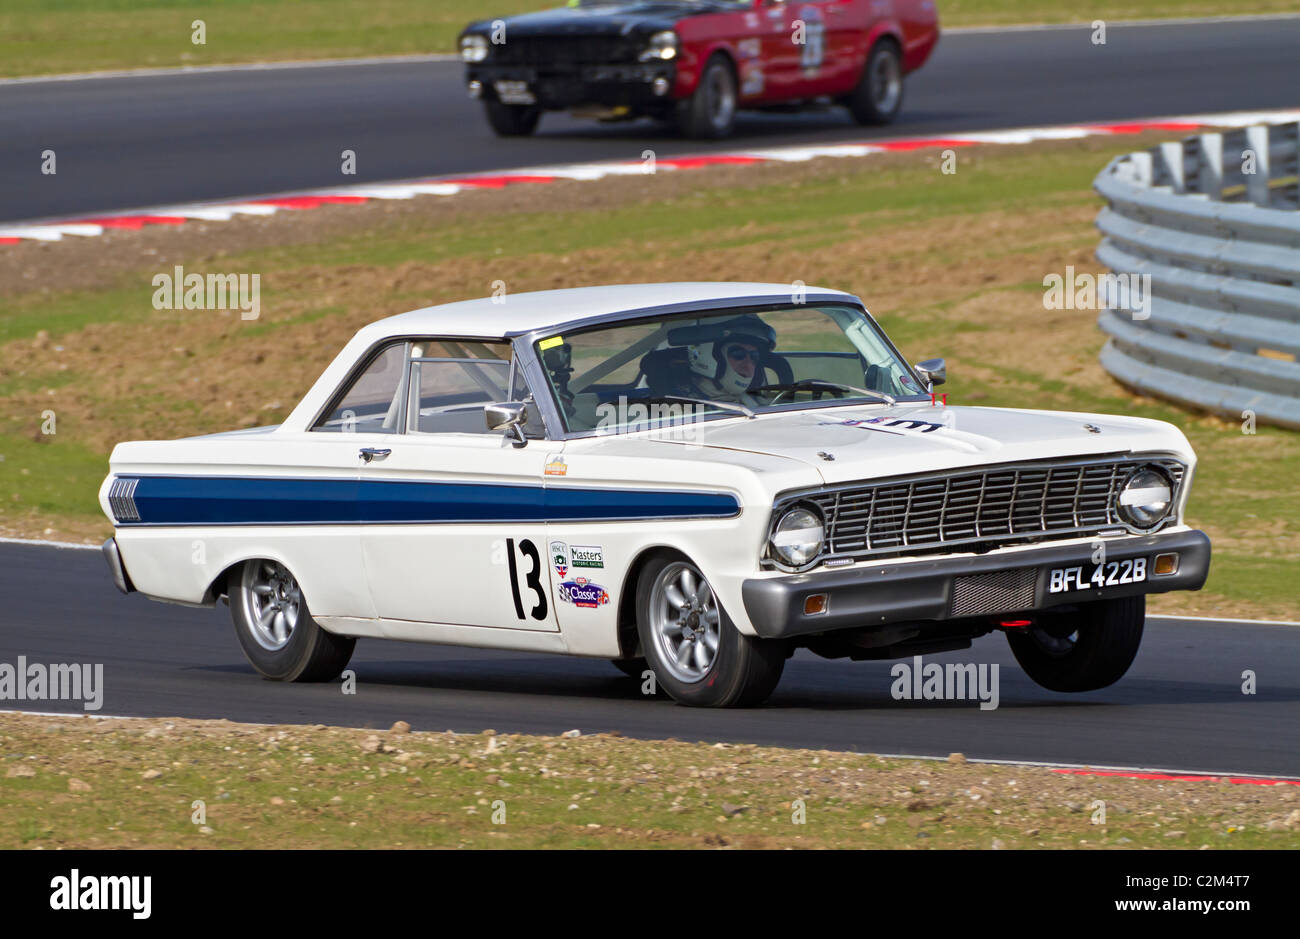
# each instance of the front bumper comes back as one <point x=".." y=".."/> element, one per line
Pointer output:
<point x="909" y="591"/>
<point x="561" y="87"/>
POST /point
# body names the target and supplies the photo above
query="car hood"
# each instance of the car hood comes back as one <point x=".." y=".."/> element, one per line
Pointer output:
<point x="605" y="19"/>
<point x="845" y="444"/>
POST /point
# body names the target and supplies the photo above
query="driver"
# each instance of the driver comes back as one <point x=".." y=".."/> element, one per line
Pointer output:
<point x="726" y="359"/>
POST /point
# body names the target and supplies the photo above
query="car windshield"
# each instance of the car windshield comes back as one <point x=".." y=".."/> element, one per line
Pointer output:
<point x="681" y="368"/>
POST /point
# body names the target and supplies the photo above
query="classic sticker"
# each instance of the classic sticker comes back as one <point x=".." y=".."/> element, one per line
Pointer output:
<point x="582" y="592"/>
<point x="555" y="466"/>
<point x="560" y="557"/>
<point x="586" y="555"/>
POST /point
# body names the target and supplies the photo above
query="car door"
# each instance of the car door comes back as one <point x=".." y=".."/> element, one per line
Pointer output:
<point x="453" y="528"/>
<point x="781" y="54"/>
<point x="843" y="31"/>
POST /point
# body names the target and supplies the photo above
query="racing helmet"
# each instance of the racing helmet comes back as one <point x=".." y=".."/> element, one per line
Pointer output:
<point x="706" y="351"/>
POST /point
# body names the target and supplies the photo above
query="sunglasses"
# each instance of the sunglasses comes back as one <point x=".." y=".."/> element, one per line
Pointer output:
<point x="739" y="353"/>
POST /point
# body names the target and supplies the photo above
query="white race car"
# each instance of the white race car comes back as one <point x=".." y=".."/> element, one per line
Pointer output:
<point x="697" y="479"/>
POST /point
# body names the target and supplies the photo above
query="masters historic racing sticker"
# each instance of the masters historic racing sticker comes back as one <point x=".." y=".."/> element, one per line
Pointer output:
<point x="582" y="592"/>
<point x="586" y="555"/>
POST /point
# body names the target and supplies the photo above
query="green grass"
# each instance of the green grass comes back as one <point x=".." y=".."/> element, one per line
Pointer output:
<point x="49" y="475"/>
<point x="71" y="783"/>
<point x="51" y="36"/>
<point x="792" y="228"/>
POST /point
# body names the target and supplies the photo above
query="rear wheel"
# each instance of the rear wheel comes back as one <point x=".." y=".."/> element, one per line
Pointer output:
<point x="879" y="94"/>
<point x="512" y="120"/>
<point x="1085" y="650"/>
<point x="710" y="112"/>
<point x="278" y="635"/>
<point x="697" y="654"/>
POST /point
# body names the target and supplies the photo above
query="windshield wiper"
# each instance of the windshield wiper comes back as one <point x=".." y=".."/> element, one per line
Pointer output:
<point x="723" y="405"/>
<point x="804" y="383"/>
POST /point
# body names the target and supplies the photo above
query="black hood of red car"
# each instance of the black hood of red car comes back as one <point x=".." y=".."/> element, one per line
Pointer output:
<point x="605" y="19"/>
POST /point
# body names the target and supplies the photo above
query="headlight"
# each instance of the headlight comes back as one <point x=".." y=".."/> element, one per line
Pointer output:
<point x="1146" y="497"/>
<point x="473" y="48"/>
<point x="663" y="45"/>
<point x="798" y="536"/>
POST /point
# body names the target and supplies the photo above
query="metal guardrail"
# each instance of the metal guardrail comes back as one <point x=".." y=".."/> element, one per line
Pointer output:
<point x="1222" y="247"/>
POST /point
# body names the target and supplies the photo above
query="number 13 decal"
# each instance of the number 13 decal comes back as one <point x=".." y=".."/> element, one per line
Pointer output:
<point x="533" y="578"/>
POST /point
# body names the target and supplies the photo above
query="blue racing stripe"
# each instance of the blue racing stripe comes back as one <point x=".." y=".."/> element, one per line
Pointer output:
<point x="227" y="500"/>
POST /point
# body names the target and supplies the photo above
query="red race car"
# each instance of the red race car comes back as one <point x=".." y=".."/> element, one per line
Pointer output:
<point x="696" y="62"/>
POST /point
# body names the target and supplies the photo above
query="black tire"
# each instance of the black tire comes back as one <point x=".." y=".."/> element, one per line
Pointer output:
<point x="743" y="671"/>
<point x="512" y="120"/>
<point x="310" y="654"/>
<point x="1082" y="651"/>
<point x="632" y="668"/>
<point x="710" y="113"/>
<point x="878" y="96"/>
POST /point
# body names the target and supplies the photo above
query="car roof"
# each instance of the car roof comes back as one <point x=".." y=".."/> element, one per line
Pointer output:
<point x="546" y="311"/>
<point x="515" y="313"/>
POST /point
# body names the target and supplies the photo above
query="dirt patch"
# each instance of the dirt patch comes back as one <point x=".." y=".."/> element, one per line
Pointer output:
<point x="134" y="783"/>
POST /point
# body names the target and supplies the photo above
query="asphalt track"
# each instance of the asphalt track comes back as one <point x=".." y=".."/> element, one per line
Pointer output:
<point x="1181" y="706"/>
<point x="130" y="142"/>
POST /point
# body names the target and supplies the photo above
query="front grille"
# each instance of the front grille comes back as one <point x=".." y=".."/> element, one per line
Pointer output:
<point x="565" y="51"/>
<point x="998" y="592"/>
<point x="994" y="506"/>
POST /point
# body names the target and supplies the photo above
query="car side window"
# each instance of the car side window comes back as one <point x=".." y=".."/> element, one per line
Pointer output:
<point x="431" y="386"/>
<point x="451" y="382"/>
<point x="372" y="403"/>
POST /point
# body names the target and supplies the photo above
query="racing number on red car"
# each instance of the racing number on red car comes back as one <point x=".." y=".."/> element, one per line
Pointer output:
<point x="533" y="578"/>
<point x="813" y="52"/>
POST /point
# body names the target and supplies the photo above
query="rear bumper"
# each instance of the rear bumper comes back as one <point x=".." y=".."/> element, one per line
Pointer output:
<point x="115" y="566"/>
<point x="561" y="87"/>
<point x="909" y="591"/>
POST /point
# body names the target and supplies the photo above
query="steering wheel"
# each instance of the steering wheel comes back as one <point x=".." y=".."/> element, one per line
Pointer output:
<point x="781" y="366"/>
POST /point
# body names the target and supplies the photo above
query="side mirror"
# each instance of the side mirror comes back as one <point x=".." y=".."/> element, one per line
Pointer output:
<point x="510" y="416"/>
<point x="932" y="371"/>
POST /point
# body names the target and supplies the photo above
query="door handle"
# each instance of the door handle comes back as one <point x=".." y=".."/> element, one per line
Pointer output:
<point x="373" y="453"/>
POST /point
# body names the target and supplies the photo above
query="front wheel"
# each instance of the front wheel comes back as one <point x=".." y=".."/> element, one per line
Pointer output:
<point x="710" y="113"/>
<point x="697" y="654"/>
<point x="879" y="95"/>
<point x="276" y="630"/>
<point x="1085" y="650"/>
<point x="512" y="120"/>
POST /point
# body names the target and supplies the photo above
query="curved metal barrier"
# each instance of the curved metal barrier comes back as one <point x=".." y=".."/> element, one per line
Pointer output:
<point x="1214" y="221"/>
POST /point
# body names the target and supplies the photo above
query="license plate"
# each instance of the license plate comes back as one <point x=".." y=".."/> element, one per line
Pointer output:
<point x="1088" y="576"/>
<point x="514" y="92"/>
